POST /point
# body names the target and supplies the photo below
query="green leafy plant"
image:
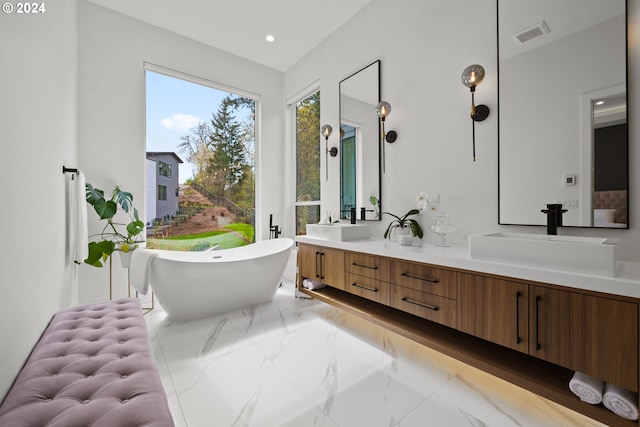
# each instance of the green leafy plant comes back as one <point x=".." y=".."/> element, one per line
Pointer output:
<point x="376" y="205"/>
<point x="402" y="221"/>
<point x="114" y="235"/>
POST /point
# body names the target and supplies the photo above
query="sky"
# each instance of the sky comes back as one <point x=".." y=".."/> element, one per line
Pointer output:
<point x="175" y="106"/>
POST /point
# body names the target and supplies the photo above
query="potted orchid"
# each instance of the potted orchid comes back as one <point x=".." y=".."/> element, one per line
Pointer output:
<point x="115" y="235"/>
<point x="423" y="201"/>
<point x="404" y="222"/>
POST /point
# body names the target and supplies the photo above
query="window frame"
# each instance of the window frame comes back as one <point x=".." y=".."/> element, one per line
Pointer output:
<point x="164" y="167"/>
<point x="257" y="99"/>
<point x="162" y="190"/>
<point x="292" y="104"/>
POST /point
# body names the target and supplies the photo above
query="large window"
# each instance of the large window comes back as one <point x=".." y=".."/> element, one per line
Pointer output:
<point x="307" y="136"/>
<point x="208" y="196"/>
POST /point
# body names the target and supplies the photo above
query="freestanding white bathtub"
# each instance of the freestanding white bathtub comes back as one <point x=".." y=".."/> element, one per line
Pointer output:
<point x="194" y="285"/>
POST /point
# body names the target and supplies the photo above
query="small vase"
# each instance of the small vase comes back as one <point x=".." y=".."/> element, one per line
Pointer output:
<point x="442" y="226"/>
<point x="125" y="257"/>
<point x="405" y="235"/>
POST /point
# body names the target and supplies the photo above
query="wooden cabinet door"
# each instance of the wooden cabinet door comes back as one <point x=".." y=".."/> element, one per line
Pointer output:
<point x="605" y="339"/>
<point x="332" y="267"/>
<point x="550" y="325"/>
<point x="321" y="264"/>
<point x="494" y="309"/>
<point x="307" y="263"/>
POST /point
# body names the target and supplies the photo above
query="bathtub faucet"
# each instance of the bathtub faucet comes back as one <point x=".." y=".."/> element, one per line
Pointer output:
<point x="274" y="230"/>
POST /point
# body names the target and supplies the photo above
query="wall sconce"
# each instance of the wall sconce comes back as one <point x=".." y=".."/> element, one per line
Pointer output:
<point x="383" y="109"/>
<point x="471" y="77"/>
<point x="326" y="132"/>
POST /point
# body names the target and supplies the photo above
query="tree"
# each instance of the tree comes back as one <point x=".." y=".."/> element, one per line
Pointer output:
<point x="226" y="141"/>
<point x="308" y="148"/>
<point x="223" y="151"/>
<point x="196" y="148"/>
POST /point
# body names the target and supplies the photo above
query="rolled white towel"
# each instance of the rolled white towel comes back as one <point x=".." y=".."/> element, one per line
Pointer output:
<point x="587" y="388"/>
<point x="621" y="401"/>
<point x="312" y="285"/>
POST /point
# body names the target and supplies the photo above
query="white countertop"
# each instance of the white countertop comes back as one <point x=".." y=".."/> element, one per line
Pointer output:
<point x="625" y="283"/>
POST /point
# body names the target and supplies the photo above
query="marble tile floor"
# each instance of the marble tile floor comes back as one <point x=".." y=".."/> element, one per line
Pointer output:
<point x="298" y="362"/>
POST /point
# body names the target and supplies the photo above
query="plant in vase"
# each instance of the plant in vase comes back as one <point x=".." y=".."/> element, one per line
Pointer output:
<point x="376" y="205"/>
<point x="404" y="222"/>
<point x="114" y="235"/>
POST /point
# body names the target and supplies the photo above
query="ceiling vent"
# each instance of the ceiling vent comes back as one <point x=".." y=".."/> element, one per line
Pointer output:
<point x="531" y="32"/>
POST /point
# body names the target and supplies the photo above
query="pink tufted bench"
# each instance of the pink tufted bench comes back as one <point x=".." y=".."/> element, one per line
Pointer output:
<point x="93" y="366"/>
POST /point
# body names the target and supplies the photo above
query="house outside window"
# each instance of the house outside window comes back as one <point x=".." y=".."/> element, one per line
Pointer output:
<point x="161" y="199"/>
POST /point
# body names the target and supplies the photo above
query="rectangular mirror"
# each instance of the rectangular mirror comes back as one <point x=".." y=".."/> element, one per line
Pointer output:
<point x="360" y="143"/>
<point x="563" y="111"/>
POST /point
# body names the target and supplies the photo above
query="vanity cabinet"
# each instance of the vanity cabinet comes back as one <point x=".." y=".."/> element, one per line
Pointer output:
<point x="570" y="329"/>
<point x="530" y="333"/>
<point x="321" y="264"/>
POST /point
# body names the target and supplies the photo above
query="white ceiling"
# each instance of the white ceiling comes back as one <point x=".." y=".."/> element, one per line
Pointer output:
<point x="240" y="26"/>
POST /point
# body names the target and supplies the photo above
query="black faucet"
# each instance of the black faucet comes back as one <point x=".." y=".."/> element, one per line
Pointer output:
<point x="554" y="213"/>
<point x="353" y="215"/>
<point x="274" y="230"/>
<point x="363" y="212"/>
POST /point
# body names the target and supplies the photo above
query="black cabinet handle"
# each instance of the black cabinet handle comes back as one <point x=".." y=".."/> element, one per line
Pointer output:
<point x="366" y="288"/>
<point x="317" y="263"/>
<point x="321" y="265"/>
<point x="363" y="266"/>
<point x="414" y="302"/>
<point x="419" y="278"/>
<point x="518" y="340"/>
<point x="538" y="346"/>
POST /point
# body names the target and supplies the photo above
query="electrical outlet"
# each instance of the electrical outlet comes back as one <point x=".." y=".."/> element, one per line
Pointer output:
<point x="568" y="204"/>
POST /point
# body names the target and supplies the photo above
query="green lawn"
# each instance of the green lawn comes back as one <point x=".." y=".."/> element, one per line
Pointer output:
<point x="204" y="241"/>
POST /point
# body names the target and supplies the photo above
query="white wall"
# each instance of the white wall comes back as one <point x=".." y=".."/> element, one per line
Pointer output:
<point x="112" y="50"/>
<point x="38" y="136"/>
<point x="425" y="47"/>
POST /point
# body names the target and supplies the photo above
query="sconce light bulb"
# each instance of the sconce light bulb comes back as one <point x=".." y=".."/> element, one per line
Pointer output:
<point x="472" y="75"/>
<point x="383" y="109"/>
<point x="326" y="131"/>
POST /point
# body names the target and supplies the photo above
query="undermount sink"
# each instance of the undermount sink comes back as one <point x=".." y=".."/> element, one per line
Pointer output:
<point x="339" y="231"/>
<point x="591" y="255"/>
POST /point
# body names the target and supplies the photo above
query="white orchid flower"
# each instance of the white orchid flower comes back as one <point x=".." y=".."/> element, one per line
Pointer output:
<point x="422" y="200"/>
